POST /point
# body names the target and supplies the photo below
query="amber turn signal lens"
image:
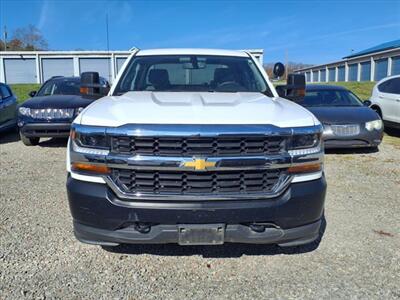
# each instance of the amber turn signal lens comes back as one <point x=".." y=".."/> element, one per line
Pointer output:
<point x="84" y="90"/>
<point x="72" y="134"/>
<point x="99" y="169"/>
<point x="305" y="168"/>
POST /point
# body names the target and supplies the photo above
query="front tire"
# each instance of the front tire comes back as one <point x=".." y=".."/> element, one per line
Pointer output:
<point x="33" y="141"/>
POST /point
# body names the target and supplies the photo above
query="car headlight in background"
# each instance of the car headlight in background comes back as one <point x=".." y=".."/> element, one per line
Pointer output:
<point x="376" y="124"/>
<point x="25" y="111"/>
<point x="79" y="110"/>
<point x="327" y="130"/>
<point x="47" y="113"/>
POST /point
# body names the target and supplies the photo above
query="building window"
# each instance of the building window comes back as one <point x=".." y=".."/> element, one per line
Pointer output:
<point x="341" y="73"/>
<point x="353" y="72"/>
<point x="323" y="75"/>
<point x="366" y="71"/>
<point x="315" y="76"/>
<point x="331" y="74"/>
<point x="381" y="68"/>
<point x="396" y="65"/>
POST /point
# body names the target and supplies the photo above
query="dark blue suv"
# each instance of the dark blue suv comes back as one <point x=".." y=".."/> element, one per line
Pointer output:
<point x="51" y="110"/>
<point x="8" y="108"/>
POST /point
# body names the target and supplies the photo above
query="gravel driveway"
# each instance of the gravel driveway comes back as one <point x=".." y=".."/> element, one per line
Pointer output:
<point x="358" y="257"/>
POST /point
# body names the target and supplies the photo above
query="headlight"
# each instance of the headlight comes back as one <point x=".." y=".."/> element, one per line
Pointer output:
<point x="303" y="141"/>
<point x="96" y="140"/>
<point x="79" y="110"/>
<point x="327" y="130"/>
<point x="25" y="111"/>
<point x="376" y="124"/>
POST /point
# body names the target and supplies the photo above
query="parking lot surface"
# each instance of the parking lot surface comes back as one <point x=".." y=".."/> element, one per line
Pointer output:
<point x="358" y="256"/>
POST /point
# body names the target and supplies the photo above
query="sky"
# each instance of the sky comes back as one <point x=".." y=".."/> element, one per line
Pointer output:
<point x="312" y="32"/>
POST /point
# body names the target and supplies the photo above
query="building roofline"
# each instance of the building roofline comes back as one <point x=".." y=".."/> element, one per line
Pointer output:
<point x="348" y="59"/>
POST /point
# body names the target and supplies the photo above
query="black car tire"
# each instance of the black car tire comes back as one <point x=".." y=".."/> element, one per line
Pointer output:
<point x="33" y="141"/>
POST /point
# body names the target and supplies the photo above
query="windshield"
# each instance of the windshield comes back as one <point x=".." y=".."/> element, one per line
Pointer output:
<point x="330" y="98"/>
<point x="192" y="73"/>
<point x="60" y="87"/>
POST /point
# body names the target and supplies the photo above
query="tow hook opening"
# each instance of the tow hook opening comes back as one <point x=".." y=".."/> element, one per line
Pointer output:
<point x="261" y="227"/>
<point x="137" y="226"/>
<point x="142" y="227"/>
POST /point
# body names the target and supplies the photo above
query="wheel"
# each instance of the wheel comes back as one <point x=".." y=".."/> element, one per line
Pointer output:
<point x="377" y="110"/>
<point x="33" y="141"/>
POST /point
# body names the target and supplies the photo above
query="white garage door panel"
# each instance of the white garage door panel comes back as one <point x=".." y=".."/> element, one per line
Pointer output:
<point x="57" y="67"/>
<point x="18" y="70"/>
<point x="120" y="62"/>
<point x="100" y="65"/>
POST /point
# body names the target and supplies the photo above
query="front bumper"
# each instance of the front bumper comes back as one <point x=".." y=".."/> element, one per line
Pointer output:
<point x="45" y="129"/>
<point x="294" y="217"/>
<point x="364" y="139"/>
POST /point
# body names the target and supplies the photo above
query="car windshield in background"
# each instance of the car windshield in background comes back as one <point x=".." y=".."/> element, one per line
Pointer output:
<point x="330" y="98"/>
<point x="192" y="73"/>
<point x="60" y="87"/>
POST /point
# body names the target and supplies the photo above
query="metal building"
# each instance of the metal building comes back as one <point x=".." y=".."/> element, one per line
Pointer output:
<point x="371" y="64"/>
<point x="38" y="66"/>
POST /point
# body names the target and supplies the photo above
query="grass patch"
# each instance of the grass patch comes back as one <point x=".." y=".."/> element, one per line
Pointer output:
<point x="22" y="90"/>
<point x="362" y="89"/>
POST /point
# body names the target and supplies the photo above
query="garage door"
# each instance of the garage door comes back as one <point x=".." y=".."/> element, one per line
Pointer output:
<point x="323" y="75"/>
<point x="315" y="76"/>
<point x="331" y="74"/>
<point x="366" y="71"/>
<point x="120" y="62"/>
<point x="381" y="69"/>
<point x="18" y="70"/>
<point x="396" y="65"/>
<point x="100" y="65"/>
<point x="353" y="69"/>
<point x="57" y="67"/>
<point x="341" y="74"/>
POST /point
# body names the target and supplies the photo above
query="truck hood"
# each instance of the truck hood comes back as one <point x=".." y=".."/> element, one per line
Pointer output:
<point x="194" y="108"/>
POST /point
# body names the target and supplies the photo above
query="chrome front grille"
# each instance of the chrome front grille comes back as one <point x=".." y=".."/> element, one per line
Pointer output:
<point x="200" y="146"/>
<point x="216" y="183"/>
<point x="346" y="130"/>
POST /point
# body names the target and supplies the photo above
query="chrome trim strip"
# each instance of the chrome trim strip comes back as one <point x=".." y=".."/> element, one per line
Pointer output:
<point x="177" y="163"/>
<point x="196" y="130"/>
<point x="279" y="188"/>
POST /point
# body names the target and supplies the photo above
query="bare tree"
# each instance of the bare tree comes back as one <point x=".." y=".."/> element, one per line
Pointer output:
<point x="27" y="38"/>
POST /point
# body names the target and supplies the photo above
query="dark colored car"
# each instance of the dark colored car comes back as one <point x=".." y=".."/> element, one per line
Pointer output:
<point x="8" y="108"/>
<point x="51" y="110"/>
<point x="348" y="123"/>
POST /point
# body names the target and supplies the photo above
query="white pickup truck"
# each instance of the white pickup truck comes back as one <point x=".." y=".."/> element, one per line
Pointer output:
<point x="195" y="146"/>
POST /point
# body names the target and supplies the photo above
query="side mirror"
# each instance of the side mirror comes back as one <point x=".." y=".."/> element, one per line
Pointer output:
<point x="367" y="103"/>
<point x="279" y="69"/>
<point x="295" y="88"/>
<point x="32" y="94"/>
<point x="91" y="87"/>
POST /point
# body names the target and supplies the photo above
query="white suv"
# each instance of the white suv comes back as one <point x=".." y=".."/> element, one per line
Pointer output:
<point x="386" y="100"/>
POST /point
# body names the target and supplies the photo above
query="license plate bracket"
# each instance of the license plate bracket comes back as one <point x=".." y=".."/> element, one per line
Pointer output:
<point x="201" y="234"/>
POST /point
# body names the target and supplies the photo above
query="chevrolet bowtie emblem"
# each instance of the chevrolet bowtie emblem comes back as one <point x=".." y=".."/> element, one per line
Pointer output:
<point x="199" y="164"/>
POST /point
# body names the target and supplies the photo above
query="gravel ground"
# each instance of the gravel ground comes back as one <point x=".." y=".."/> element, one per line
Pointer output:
<point x="358" y="256"/>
